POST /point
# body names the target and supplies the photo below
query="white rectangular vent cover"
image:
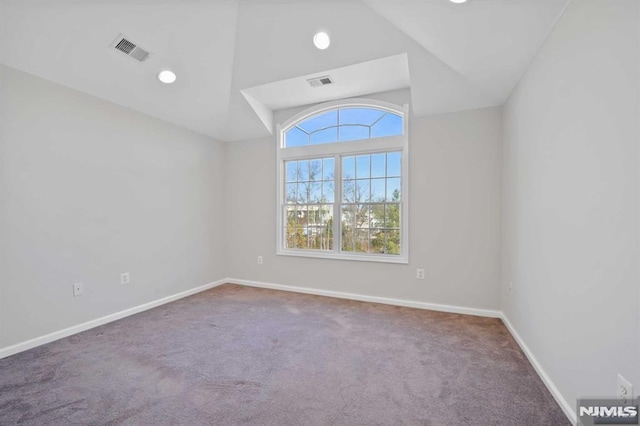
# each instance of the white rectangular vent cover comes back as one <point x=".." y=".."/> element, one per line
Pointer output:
<point x="130" y="48"/>
<point x="320" y="81"/>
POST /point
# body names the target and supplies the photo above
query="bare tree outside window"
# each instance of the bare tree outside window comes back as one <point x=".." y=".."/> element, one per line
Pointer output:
<point x="309" y="209"/>
<point x="371" y="203"/>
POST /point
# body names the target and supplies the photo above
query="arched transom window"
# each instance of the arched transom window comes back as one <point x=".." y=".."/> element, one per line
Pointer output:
<point x="342" y="182"/>
<point x="343" y="125"/>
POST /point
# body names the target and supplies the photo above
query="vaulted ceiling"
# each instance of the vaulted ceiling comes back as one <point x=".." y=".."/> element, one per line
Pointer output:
<point x="232" y="57"/>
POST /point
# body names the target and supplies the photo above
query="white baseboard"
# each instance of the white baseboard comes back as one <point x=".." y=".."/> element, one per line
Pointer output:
<point x="29" y="344"/>
<point x="374" y="299"/>
<point x="562" y="402"/>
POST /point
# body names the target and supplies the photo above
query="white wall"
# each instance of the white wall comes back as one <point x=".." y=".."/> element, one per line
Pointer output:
<point x="571" y="193"/>
<point x="454" y="218"/>
<point x="89" y="190"/>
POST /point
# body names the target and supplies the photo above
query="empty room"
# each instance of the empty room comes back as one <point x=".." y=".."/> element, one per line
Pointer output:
<point x="319" y="212"/>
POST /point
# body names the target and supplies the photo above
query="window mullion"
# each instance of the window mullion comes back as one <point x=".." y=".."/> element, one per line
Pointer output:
<point x="337" y="192"/>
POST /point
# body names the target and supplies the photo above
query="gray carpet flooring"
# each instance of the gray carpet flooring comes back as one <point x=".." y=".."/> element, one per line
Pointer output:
<point x="239" y="355"/>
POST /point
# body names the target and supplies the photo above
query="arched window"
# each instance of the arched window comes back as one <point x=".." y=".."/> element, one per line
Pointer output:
<point x="343" y="125"/>
<point x="342" y="182"/>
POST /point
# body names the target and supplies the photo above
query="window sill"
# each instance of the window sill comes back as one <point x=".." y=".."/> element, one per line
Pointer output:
<point x="352" y="257"/>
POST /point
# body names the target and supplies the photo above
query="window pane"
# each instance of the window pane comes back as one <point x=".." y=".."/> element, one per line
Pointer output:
<point x="313" y="214"/>
<point x="363" y="166"/>
<point x="394" y="164"/>
<point x="321" y="121"/>
<point x="361" y="241"/>
<point x="349" y="191"/>
<point x="377" y="241"/>
<point x="389" y="125"/>
<point x="315" y="235"/>
<point x="328" y="168"/>
<point x="322" y="235"/>
<point x="393" y="189"/>
<point x="353" y="133"/>
<point x="296" y="237"/>
<point x="322" y="215"/>
<point x="348" y="167"/>
<point x="291" y="215"/>
<point x="324" y="136"/>
<point x="347" y="227"/>
<point x="295" y="137"/>
<point x="301" y="238"/>
<point x="291" y="193"/>
<point x="296" y="215"/>
<point x="315" y="192"/>
<point x="303" y="170"/>
<point x="319" y="238"/>
<point x="327" y="192"/>
<point x="366" y="116"/>
<point x="292" y="170"/>
<point x="393" y="242"/>
<point x="377" y="216"/>
<point x="300" y="215"/>
<point x="377" y="190"/>
<point x="315" y="170"/>
<point x="303" y="192"/>
<point x="363" y="189"/>
<point x="378" y="167"/>
<point x="348" y="239"/>
<point x="307" y="214"/>
<point x="348" y="217"/>
<point x="392" y="216"/>
<point x="326" y="212"/>
<point x="362" y="215"/>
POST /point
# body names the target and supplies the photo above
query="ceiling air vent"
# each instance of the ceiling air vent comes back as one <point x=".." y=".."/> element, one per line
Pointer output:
<point x="130" y="48"/>
<point x="320" y="81"/>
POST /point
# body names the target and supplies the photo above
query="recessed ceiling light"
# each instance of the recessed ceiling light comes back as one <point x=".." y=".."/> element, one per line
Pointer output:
<point x="321" y="40"/>
<point x="458" y="1"/>
<point x="167" y="76"/>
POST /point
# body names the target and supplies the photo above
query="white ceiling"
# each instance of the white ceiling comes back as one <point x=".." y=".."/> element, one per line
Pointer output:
<point x="459" y="56"/>
<point x="489" y="42"/>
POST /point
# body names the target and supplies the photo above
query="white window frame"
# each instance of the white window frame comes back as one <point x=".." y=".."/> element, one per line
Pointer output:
<point x="338" y="150"/>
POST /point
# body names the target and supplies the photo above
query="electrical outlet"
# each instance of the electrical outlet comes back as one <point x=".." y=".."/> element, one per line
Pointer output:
<point x="125" y="278"/>
<point x="625" y="390"/>
<point x="420" y="274"/>
<point x="260" y="260"/>
<point x="78" y="289"/>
